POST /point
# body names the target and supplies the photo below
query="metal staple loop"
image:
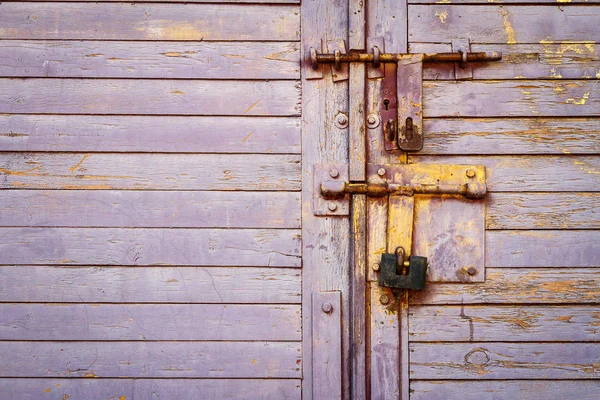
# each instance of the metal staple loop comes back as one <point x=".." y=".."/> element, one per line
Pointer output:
<point x="338" y="59"/>
<point x="376" y="57"/>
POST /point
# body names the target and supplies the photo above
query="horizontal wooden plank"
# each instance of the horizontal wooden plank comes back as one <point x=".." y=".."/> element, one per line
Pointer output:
<point x="505" y="389"/>
<point x="504" y="361"/>
<point x="542" y="248"/>
<point x="511" y="136"/>
<point x="145" y="246"/>
<point x="149" y="171"/>
<point x="149" y="285"/>
<point x="150" y="209"/>
<point x="487" y="2"/>
<point x="521" y="61"/>
<point x="523" y="285"/>
<point x="198" y="60"/>
<point x="543" y="211"/>
<point x="121" y="21"/>
<point x="504" y="323"/>
<point x="152" y="359"/>
<point x="530" y="173"/>
<point x="164" y="97"/>
<point x="503" y="24"/>
<point x="149" y="134"/>
<point x="511" y="98"/>
<point x="150" y="322"/>
<point x="182" y="389"/>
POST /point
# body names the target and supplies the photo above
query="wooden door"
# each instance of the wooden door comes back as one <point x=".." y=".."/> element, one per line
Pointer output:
<point x="529" y="329"/>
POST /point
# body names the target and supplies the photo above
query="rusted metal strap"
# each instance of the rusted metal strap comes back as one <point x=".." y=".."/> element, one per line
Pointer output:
<point x="376" y="57"/>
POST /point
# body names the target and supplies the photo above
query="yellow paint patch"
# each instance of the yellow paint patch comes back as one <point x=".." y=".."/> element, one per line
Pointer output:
<point x="555" y="74"/>
<point x="251" y="106"/>
<point x="563" y="1"/>
<point x="169" y="30"/>
<point x="65" y="397"/>
<point x="123" y="398"/>
<point x="525" y="92"/>
<point x="90" y="375"/>
<point x="442" y="16"/>
<point x="48" y="390"/>
<point x="57" y="385"/>
<point x="20" y="173"/>
<point x="233" y="55"/>
<point x="172" y="54"/>
<point x="590" y="47"/>
<point x="598" y="74"/>
<point x="510" y="32"/>
<point x="74" y="167"/>
<point x="253" y="362"/>
<point x="443" y="2"/>
<point x="578" y="102"/>
<point x="177" y="92"/>
<point x="247" y="137"/>
<point x="558" y="89"/>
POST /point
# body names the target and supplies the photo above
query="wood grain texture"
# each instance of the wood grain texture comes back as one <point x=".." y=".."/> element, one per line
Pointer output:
<point x="543" y="211"/>
<point x="327" y="337"/>
<point x="174" y="134"/>
<point x="505" y="389"/>
<point x="149" y="285"/>
<point x="151" y="359"/>
<point x="504" y="361"/>
<point x="504" y="323"/>
<point x="530" y="173"/>
<point x="150" y="209"/>
<point x="533" y="136"/>
<point x="548" y="248"/>
<point x="524" y="285"/>
<point x="564" y="98"/>
<point x="120" y="21"/>
<point x="165" y="60"/>
<point x="149" y="171"/>
<point x="145" y="246"/>
<point x="357" y="156"/>
<point x="486" y="2"/>
<point x="82" y="322"/>
<point x="183" y="389"/>
<point x="164" y="97"/>
<point x="502" y="24"/>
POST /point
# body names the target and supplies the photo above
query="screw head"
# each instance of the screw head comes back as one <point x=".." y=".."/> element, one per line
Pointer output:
<point x="470" y="173"/>
<point x="327" y="308"/>
<point x="471" y="271"/>
<point x="376" y="266"/>
<point x="334" y="173"/>
<point x="384" y="299"/>
<point x="341" y="119"/>
<point x="381" y="172"/>
<point x="332" y="206"/>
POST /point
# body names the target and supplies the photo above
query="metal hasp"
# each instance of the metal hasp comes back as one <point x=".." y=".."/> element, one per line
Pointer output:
<point x="402" y="116"/>
<point x="396" y="272"/>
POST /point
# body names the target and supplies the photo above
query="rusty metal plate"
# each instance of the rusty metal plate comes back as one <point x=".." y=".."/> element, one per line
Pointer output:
<point x="334" y="206"/>
<point x="450" y="232"/>
<point x="427" y="174"/>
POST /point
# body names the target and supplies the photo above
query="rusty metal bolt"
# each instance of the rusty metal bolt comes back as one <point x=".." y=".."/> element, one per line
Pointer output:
<point x="384" y="299"/>
<point x="334" y="173"/>
<point x="470" y="173"/>
<point x="376" y="266"/>
<point x="332" y="206"/>
<point x="381" y="172"/>
<point x="327" y="308"/>
<point x="373" y="121"/>
<point x="471" y="270"/>
<point x="341" y="120"/>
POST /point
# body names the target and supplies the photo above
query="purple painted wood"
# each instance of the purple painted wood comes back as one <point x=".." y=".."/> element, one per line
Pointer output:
<point x="149" y="285"/>
<point x="163" y="97"/>
<point x="132" y="389"/>
<point x="83" y="322"/>
<point x="547" y="248"/>
<point x="327" y="349"/>
<point x="504" y="361"/>
<point x="151" y="359"/>
<point x="149" y="171"/>
<point x="499" y="323"/>
<point x="200" y="60"/>
<point x="155" y="209"/>
<point x="176" y="22"/>
<point x="145" y="246"/>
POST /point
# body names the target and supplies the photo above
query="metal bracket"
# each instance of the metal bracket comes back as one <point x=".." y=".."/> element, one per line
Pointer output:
<point x="376" y="46"/>
<point x="339" y="70"/>
<point x="462" y="69"/>
<point x="410" y="102"/>
<point x="329" y="174"/>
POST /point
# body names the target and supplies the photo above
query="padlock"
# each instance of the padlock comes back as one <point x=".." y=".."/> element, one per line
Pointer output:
<point x="397" y="273"/>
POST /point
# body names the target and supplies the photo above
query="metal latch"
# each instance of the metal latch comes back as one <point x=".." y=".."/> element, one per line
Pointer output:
<point x="402" y="116"/>
<point x="399" y="273"/>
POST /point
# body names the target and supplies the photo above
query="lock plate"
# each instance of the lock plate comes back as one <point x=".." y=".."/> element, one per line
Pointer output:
<point x="389" y="275"/>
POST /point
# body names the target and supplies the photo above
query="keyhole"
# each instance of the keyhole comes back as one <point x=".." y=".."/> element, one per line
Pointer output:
<point x="386" y="104"/>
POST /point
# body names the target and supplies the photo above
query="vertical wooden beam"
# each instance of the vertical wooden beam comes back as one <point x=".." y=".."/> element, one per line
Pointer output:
<point x="325" y="240"/>
<point x="327" y="346"/>
<point x="357" y="152"/>
<point x="358" y="326"/>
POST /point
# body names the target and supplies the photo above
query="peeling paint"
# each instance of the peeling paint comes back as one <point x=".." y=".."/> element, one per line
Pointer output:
<point x="510" y="32"/>
<point x="442" y="16"/>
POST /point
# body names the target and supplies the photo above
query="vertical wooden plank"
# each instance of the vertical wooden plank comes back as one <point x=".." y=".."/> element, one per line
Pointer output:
<point x="357" y="151"/>
<point x="400" y="223"/>
<point x="356" y="25"/>
<point x="325" y="240"/>
<point x="404" y="367"/>
<point x="327" y="346"/>
<point x="358" y="325"/>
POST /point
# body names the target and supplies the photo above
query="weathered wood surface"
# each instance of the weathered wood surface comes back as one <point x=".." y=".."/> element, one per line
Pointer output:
<point x="542" y="248"/>
<point x="530" y="173"/>
<point x="149" y="322"/>
<point x="543" y="211"/>
<point x="326" y="313"/>
<point x="200" y="60"/>
<point x="121" y="21"/>
<point x="149" y="285"/>
<point x="503" y="24"/>
<point x="123" y="389"/>
<point x="566" y="98"/>
<point x="487" y="2"/>
<point x="149" y="171"/>
<point x="145" y="246"/>
<point x="149" y="134"/>
<point x="163" y="97"/>
<point x="504" y="389"/>
<point x="151" y="359"/>
<point x="511" y="136"/>
<point x="523" y="285"/>
<point x="504" y="361"/>
<point x="150" y="209"/>
<point x="487" y="323"/>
